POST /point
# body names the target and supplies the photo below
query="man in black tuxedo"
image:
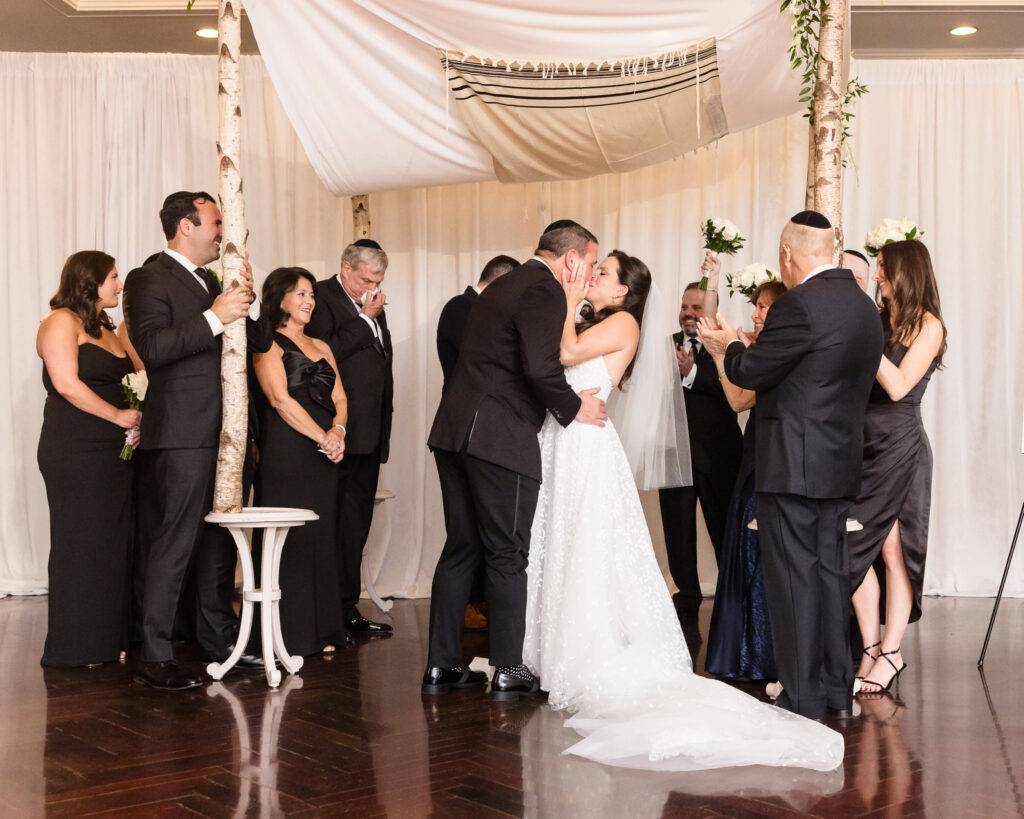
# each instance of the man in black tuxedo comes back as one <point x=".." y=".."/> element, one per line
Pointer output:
<point x="452" y="323"/>
<point x="484" y="440"/>
<point x="350" y="317"/>
<point x="175" y="314"/>
<point x="716" y="446"/>
<point x="812" y="369"/>
<point x="450" y="328"/>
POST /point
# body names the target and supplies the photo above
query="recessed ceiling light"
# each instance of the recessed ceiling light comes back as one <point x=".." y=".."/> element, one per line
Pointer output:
<point x="208" y="33"/>
<point x="963" y="31"/>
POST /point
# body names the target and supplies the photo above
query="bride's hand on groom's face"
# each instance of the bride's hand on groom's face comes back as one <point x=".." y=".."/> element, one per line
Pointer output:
<point x="576" y="282"/>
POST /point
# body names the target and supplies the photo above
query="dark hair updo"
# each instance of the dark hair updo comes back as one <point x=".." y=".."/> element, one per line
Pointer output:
<point x="79" y="286"/>
<point x="278" y="284"/>
<point x="634" y="274"/>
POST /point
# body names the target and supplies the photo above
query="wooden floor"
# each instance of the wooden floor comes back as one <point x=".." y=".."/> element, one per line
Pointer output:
<point x="351" y="736"/>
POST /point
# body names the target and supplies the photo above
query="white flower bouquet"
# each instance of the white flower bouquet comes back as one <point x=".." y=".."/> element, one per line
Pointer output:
<point x="890" y="230"/>
<point x="747" y="279"/>
<point x="720" y="236"/>
<point x="134" y="386"/>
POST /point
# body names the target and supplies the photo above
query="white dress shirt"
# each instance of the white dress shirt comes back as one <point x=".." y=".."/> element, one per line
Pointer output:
<point x="691" y="376"/>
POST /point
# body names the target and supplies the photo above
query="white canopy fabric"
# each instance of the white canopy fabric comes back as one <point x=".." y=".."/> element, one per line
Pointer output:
<point x="366" y="84"/>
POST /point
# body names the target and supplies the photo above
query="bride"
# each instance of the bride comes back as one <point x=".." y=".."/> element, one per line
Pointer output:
<point x="601" y="631"/>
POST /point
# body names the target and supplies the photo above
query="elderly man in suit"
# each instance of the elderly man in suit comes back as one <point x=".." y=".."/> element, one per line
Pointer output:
<point x="812" y="369"/>
<point x="716" y="446"/>
<point x="175" y="313"/>
<point x="349" y="316"/>
<point x="484" y="440"/>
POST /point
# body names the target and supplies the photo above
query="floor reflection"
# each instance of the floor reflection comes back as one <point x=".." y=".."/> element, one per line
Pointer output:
<point x="883" y="774"/>
<point x="258" y="765"/>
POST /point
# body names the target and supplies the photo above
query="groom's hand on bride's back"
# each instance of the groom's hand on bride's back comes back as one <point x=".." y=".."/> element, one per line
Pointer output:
<point x="592" y="408"/>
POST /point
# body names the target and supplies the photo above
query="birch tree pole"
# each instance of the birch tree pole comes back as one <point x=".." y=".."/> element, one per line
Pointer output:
<point x="227" y="495"/>
<point x="829" y="90"/>
<point x="360" y="217"/>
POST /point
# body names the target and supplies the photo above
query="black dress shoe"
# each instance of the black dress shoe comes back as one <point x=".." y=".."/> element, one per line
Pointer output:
<point x="246" y="662"/>
<point x="441" y="680"/>
<point x="513" y="683"/>
<point x="165" y="676"/>
<point x="361" y="624"/>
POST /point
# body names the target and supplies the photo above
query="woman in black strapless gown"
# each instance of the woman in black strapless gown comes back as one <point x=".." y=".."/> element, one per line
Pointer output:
<point x="887" y="557"/>
<point x="740" y="640"/>
<point x="305" y="411"/>
<point x="88" y="485"/>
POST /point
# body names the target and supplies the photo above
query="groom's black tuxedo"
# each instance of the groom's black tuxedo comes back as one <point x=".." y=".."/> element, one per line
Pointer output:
<point x="365" y="367"/>
<point x="484" y="440"/>
<point x="163" y="307"/>
<point x="812" y="367"/>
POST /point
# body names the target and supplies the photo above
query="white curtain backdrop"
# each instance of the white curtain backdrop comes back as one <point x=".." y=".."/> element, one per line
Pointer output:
<point x="94" y="142"/>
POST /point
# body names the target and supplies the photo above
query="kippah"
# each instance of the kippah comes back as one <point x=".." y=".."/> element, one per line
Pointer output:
<point x="811" y="218"/>
<point x="561" y="223"/>
<point x="367" y="243"/>
<point x="859" y="255"/>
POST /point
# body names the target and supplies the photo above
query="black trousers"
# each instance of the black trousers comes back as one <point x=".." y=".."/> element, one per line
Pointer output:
<point x="807" y="586"/>
<point x="177" y="536"/>
<point x="357" y="489"/>
<point x="679" y="520"/>
<point x="488" y="512"/>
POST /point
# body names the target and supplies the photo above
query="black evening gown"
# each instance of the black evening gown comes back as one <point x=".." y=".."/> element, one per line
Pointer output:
<point x="740" y="639"/>
<point x="89" y="490"/>
<point x="292" y="473"/>
<point x="897" y="485"/>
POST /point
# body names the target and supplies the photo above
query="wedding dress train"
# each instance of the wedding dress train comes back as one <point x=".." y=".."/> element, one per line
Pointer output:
<point x="604" y="638"/>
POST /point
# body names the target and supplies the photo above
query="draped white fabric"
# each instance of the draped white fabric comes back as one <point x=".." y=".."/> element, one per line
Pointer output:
<point x="94" y="142"/>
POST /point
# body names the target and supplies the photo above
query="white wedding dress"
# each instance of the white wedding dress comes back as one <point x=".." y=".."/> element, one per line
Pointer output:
<point x="604" y="638"/>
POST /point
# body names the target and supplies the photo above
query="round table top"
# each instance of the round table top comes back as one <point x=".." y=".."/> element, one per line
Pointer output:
<point x="263" y="516"/>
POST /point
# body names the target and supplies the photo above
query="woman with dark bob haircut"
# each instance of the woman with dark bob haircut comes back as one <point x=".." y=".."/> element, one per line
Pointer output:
<point x="86" y="421"/>
<point x="302" y="440"/>
<point x="887" y="557"/>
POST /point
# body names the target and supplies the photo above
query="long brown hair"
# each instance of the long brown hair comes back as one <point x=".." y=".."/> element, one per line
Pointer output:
<point x="634" y="274"/>
<point x="78" y="290"/>
<point x="907" y="267"/>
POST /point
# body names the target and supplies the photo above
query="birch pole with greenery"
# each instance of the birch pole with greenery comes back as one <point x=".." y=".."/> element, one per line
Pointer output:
<point x="828" y="119"/>
<point x="227" y="495"/>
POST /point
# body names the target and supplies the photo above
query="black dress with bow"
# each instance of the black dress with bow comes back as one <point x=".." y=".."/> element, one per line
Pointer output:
<point x="292" y="473"/>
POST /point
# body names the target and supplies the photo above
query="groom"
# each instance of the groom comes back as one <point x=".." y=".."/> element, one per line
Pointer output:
<point x="812" y="367"/>
<point x="484" y="440"/>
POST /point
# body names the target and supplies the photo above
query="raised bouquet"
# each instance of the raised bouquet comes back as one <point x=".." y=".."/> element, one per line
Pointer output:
<point x="720" y="236"/>
<point x="747" y="279"/>
<point x="134" y="386"/>
<point x="889" y="231"/>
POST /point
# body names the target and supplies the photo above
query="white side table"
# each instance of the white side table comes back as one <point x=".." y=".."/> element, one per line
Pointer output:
<point x="275" y="521"/>
<point x="364" y="568"/>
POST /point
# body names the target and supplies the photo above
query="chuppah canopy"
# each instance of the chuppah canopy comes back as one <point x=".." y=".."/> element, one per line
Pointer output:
<point x="410" y="93"/>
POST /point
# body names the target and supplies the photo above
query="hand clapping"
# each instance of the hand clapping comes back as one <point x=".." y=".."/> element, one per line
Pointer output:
<point x="715" y="333"/>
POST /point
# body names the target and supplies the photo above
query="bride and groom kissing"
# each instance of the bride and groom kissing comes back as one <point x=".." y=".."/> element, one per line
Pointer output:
<point x="531" y="476"/>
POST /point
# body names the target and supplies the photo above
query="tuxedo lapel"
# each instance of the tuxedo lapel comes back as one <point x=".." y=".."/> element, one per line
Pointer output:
<point x="185" y="282"/>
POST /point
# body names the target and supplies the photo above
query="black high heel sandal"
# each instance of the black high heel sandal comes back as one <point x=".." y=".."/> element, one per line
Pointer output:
<point x="884" y="689"/>
<point x="866" y="650"/>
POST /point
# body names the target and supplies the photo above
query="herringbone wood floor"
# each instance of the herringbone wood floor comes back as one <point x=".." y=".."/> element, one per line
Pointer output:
<point x="351" y="736"/>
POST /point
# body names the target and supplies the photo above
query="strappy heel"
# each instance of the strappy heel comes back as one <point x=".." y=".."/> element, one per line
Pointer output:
<point x="858" y="680"/>
<point x="885" y="688"/>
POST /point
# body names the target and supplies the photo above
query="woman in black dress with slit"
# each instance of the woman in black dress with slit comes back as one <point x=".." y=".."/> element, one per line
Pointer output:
<point x="302" y="440"/>
<point x="887" y="557"/>
<point x="88" y="486"/>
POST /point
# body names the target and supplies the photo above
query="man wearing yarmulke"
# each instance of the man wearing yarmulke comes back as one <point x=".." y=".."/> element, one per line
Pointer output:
<point x="812" y="369"/>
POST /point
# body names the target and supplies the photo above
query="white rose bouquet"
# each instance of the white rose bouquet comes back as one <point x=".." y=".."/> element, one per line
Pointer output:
<point x="747" y="279"/>
<point x="720" y="236"/>
<point x="134" y="386"/>
<point x="890" y="230"/>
